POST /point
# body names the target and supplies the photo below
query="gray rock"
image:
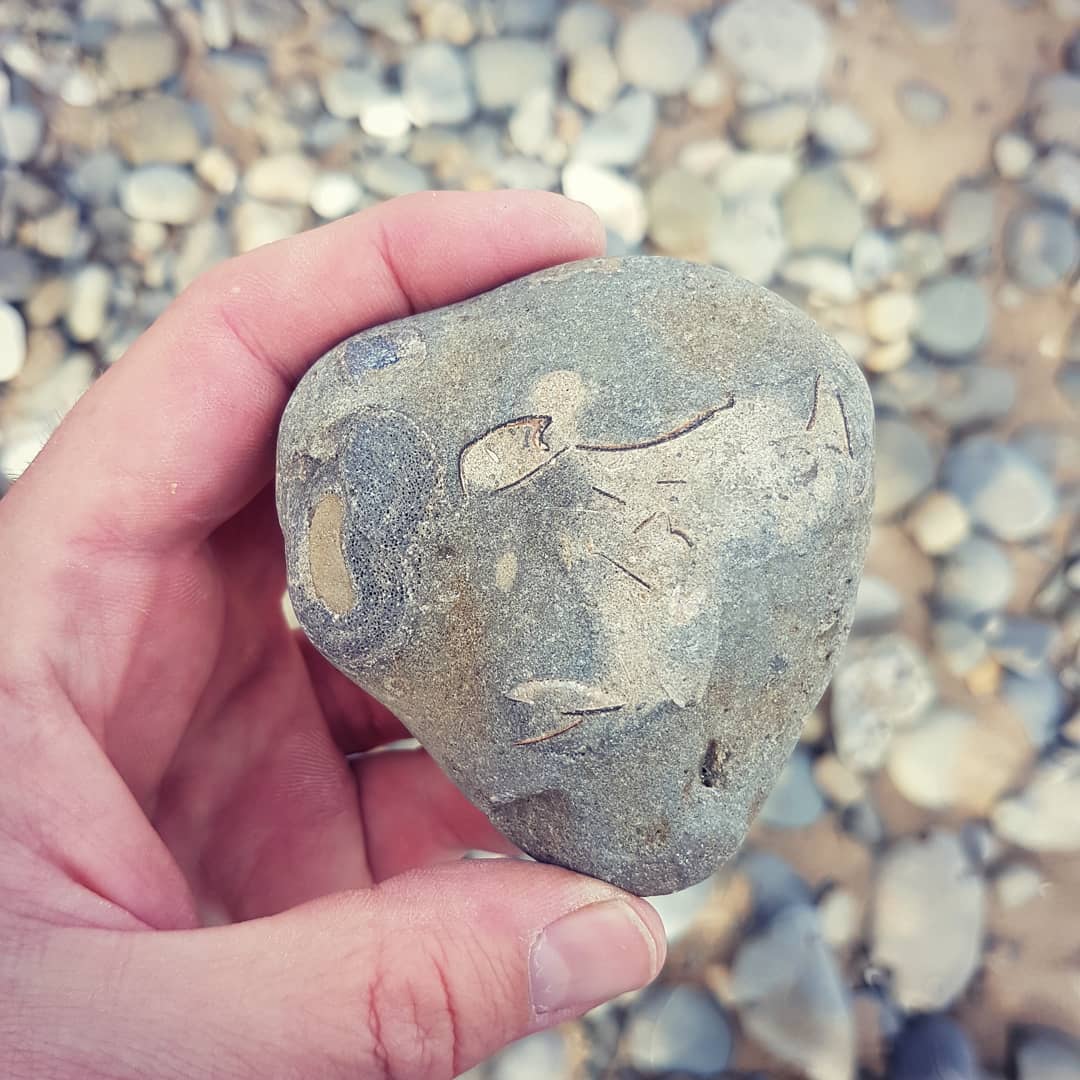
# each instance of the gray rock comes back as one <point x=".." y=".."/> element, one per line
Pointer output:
<point x="778" y="46"/>
<point x="18" y="273"/>
<point x="506" y="69"/>
<point x="1042" y="817"/>
<point x="1037" y="699"/>
<point x="22" y="129"/>
<point x="933" y="1047"/>
<point x="954" y="316"/>
<point x="928" y="915"/>
<point x="435" y="84"/>
<point x="822" y="213"/>
<point x="904" y="468"/>
<point x="542" y="1056"/>
<point x="631" y="739"/>
<point x="156" y="130"/>
<point x="967" y="221"/>
<point x="975" y="578"/>
<point x="882" y="685"/>
<point x="141" y="57"/>
<point x="1045" y="1054"/>
<point x="791" y="999"/>
<point x="1041" y="246"/>
<point x="923" y="104"/>
<point x="795" y="802"/>
<point x="973" y="394"/>
<point x="621" y="135"/>
<point x="1056" y="178"/>
<point x="658" y="51"/>
<point x="746" y="236"/>
<point x="677" y="1030"/>
<point x="162" y="193"/>
<point x="582" y="25"/>
<point x="1006" y="492"/>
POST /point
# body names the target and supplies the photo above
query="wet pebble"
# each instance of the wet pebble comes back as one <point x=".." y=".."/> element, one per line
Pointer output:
<point x="1006" y="493"/>
<point x="334" y="194"/>
<point x="905" y="465"/>
<point x="790" y="997"/>
<point x="677" y="1030"/>
<point x="658" y="51"/>
<point x="881" y="685"/>
<point x="928" y="914"/>
<point x="281" y="178"/>
<point x="891" y="315"/>
<point x="18" y="273"/>
<point x="1041" y="246"/>
<point x="156" y="130"/>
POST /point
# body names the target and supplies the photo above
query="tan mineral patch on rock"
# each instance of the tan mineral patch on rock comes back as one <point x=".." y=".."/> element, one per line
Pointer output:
<point x="506" y="571"/>
<point x="329" y="575"/>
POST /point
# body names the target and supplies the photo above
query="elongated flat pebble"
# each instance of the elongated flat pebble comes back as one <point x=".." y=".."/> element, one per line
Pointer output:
<point x="600" y="567"/>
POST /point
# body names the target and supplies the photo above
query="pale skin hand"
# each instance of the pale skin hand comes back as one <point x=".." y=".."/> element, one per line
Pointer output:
<point x="194" y="881"/>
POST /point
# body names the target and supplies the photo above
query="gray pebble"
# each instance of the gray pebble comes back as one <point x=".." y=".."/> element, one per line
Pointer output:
<point x="1041" y="246"/>
<point x="822" y="213"/>
<point x="1056" y="178"/>
<point x="389" y="176"/>
<point x="141" y="57"/>
<point x="677" y="1030"/>
<point x="904" y="468"/>
<point x="881" y="685"/>
<point x="22" y="129"/>
<point x="1042" y="816"/>
<point x="506" y="69"/>
<point x="1021" y="643"/>
<point x="778" y="46"/>
<point x="1006" y="492"/>
<point x="156" y="130"/>
<point x="933" y="1047"/>
<point x="842" y="130"/>
<point x="874" y="257"/>
<point x="954" y="316"/>
<point x="923" y="104"/>
<point x="967" y="221"/>
<point x="795" y="802"/>
<point x="377" y="405"/>
<point x="1037" y="699"/>
<point x="524" y="16"/>
<point x="162" y="193"/>
<point x="774" y="885"/>
<point x="921" y="254"/>
<point x="959" y="645"/>
<point x="973" y="394"/>
<point x="348" y="92"/>
<point x="1055" y="102"/>
<point x="542" y="1056"/>
<point x="621" y="135"/>
<point x="791" y="998"/>
<point x="18" y="273"/>
<point x="1045" y="1054"/>
<point x="975" y="578"/>
<point x="929" y="910"/>
<point x="658" y="52"/>
<point x="582" y="25"/>
<point x="435" y="85"/>
<point x="746" y="236"/>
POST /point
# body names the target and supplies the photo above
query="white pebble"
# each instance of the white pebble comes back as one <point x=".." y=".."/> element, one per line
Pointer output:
<point x="1013" y="155"/>
<point x="617" y="201"/>
<point x="335" y="194"/>
<point x="939" y="523"/>
<point x="12" y="342"/>
<point x="658" y="52"/>
<point x="162" y="193"/>
<point x="281" y="178"/>
<point x="88" y="302"/>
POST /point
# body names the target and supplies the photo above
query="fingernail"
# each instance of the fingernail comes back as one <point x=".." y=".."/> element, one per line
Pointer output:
<point x="591" y="955"/>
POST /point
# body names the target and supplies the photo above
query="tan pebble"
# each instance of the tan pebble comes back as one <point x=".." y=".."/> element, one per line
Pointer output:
<point x="985" y="678"/>
<point x="939" y="523"/>
<point x="839" y="784"/>
<point x="47" y="303"/>
<point x="891" y="357"/>
<point x="891" y="315"/>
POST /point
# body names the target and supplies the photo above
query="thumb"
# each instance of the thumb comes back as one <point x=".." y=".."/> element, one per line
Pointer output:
<point x="420" y="977"/>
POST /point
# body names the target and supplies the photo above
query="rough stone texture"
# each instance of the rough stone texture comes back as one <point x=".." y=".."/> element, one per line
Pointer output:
<point x="595" y="537"/>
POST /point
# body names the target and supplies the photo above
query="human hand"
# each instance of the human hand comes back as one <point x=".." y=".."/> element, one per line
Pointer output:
<point x="194" y="881"/>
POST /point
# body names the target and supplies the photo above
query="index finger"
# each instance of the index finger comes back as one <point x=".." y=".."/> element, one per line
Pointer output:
<point x="179" y="434"/>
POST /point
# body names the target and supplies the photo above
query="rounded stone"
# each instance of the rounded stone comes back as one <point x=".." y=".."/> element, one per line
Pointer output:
<point x="928" y="917"/>
<point x="12" y="342"/>
<point x="582" y="25"/>
<point x="822" y="213"/>
<point x="975" y="578"/>
<point x="954" y="316"/>
<point x="679" y="204"/>
<point x="781" y="46"/>
<point x="622" y="492"/>
<point x="905" y="466"/>
<point x="1006" y="493"/>
<point x="141" y="57"/>
<point x="506" y="69"/>
<point x="658" y="51"/>
<point x="1041" y="247"/>
<point x="795" y="802"/>
<point x="1042" y="816"/>
<point x="939" y="523"/>
<point x="436" y="86"/>
<point x="22" y="129"/>
<point x="678" y="1030"/>
<point x="162" y="193"/>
